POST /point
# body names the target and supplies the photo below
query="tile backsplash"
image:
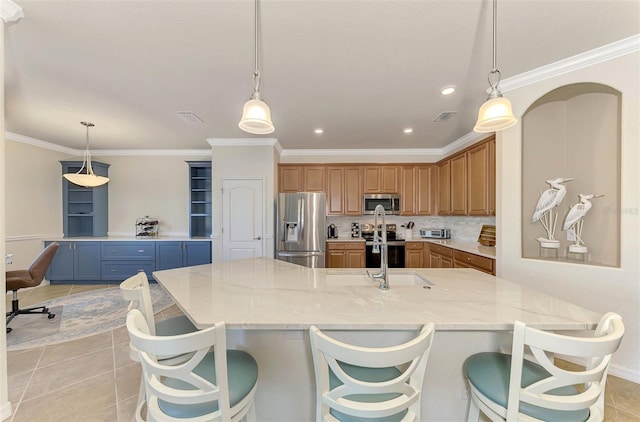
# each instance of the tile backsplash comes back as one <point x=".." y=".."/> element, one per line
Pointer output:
<point x="462" y="228"/>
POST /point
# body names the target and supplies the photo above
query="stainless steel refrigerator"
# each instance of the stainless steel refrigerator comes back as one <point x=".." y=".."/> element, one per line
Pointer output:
<point x="301" y="228"/>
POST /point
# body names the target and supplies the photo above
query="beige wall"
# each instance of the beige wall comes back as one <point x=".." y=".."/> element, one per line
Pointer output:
<point x="598" y="288"/>
<point x="157" y="186"/>
<point x="243" y="162"/>
<point x="33" y="199"/>
<point x="153" y="186"/>
<point x="577" y="138"/>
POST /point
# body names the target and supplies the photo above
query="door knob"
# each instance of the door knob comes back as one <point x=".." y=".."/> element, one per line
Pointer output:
<point x="257" y="238"/>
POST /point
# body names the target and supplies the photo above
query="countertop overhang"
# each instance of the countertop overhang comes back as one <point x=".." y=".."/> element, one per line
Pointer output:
<point x="267" y="294"/>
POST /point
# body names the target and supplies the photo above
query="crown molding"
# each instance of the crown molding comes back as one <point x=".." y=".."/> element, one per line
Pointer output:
<point x="235" y="142"/>
<point x="9" y="11"/>
<point x="105" y="152"/>
<point x="431" y="152"/>
<point x="462" y="142"/>
<point x="570" y="64"/>
<point x="41" y="144"/>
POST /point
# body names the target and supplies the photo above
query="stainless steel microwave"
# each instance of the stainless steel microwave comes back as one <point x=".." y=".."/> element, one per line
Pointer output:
<point x="390" y="202"/>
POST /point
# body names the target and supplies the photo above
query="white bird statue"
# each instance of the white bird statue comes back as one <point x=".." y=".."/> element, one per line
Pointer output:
<point x="574" y="220"/>
<point x="549" y="199"/>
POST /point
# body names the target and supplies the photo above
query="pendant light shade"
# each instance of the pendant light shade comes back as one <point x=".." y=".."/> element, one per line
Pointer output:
<point x="87" y="179"/>
<point x="496" y="113"/>
<point x="256" y="115"/>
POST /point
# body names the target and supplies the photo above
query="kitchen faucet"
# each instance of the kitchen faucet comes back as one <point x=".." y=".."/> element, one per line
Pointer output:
<point x="380" y="246"/>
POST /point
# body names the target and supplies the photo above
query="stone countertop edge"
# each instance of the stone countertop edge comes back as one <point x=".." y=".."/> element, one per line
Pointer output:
<point x="129" y="239"/>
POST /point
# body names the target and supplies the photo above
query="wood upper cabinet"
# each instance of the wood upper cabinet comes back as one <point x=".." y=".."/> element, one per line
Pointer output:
<point x="478" y="180"/>
<point x="313" y="178"/>
<point x="290" y="179"/>
<point x="353" y="190"/>
<point x="345" y="255"/>
<point x="301" y="178"/>
<point x="344" y="190"/>
<point x="444" y="188"/>
<point x="418" y="189"/>
<point x="459" y="185"/>
<point x="467" y="181"/>
<point x="408" y="190"/>
<point x="492" y="176"/>
<point x="381" y="179"/>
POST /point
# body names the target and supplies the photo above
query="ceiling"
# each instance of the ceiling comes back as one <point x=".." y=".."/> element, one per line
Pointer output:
<point x="361" y="70"/>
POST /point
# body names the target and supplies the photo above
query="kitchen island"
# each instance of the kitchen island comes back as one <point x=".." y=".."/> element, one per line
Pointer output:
<point x="268" y="306"/>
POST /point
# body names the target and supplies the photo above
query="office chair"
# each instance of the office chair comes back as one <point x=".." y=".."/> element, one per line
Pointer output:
<point x="32" y="277"/>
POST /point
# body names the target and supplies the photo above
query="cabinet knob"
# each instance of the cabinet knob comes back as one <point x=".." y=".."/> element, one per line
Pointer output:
<point x="468" y="258"/>
<point x="257" y="238"/>
<point x="141" y="250"/>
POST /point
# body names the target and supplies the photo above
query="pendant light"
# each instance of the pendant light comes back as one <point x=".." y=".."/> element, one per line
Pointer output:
<point x="496" y="113"/>
<point x="88" y="179"/>
<point x="256" y="116"/>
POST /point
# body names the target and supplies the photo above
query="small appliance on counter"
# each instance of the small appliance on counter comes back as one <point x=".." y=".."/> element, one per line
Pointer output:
<point x="332" y="232"/>
<point x="435" y="233"/>
<point x="355" y="229"/>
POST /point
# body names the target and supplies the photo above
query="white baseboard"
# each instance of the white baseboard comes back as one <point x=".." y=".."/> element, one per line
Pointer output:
<point x="624" y="373"/>
<point x="615" y="370"/>
<point x="5" y="411"/>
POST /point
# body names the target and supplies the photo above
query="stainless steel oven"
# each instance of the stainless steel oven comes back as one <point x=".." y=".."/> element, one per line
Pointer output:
<point x="395" y="250"/>
<point x="395" y="247"/>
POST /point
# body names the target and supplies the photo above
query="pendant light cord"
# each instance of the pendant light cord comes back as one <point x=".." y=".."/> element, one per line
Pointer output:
<point x="256" y="72"/>
<point x="494" y="75"/>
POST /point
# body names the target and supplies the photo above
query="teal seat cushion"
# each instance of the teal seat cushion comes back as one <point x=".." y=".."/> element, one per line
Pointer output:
<point x="370" y="375"/>
<point x="174" y="326"/>
<point x="242" y="371"/>
<point x="489" y="373"/>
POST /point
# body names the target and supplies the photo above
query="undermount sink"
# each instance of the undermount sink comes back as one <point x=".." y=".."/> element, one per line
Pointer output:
<point x="402" y="279"/>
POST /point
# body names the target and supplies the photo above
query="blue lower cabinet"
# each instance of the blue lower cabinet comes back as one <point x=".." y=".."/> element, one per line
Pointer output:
<point x="75" y="261"/>
<point x="121" y="270"/>
<point x="90" y="262"/>
<point x="172" y="254"/>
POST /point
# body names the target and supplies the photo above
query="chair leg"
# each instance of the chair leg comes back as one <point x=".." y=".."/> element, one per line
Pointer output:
<point x="474" y="411"/>
<point x="15" y="310"/>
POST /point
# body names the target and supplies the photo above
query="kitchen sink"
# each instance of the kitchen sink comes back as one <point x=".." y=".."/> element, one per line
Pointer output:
<point x="395" y="279"/>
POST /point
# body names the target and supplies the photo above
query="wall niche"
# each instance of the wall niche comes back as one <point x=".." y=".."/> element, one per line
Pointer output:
<point x="573" y="132"/>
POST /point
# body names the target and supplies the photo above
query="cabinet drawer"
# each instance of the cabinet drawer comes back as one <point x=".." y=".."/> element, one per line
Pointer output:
<point x="120" y="270"/>
<point x="474" y="260"/>
<point x="441" y="250"/>
<point x="341" y="246"/>
<point x="128" y="250"/>
<point x="414" y="246"/>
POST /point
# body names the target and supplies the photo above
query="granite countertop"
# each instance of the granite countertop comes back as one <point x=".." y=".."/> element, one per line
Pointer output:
<point x="346" y="239"/>
<point x="267" y="294"/>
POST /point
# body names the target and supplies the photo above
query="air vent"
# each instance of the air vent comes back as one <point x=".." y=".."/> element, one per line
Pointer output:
<point x="189" y="117"/>
<point x="444" y="116"/>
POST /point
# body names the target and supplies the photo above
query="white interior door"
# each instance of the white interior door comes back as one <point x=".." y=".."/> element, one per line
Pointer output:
<point x="242" y="219"/>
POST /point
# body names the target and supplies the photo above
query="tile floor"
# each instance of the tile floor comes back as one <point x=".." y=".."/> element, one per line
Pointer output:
<point x="93" y="379"/>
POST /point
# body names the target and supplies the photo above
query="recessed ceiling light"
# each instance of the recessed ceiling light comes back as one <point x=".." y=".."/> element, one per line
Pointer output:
<point x="448" y="90"/>
<point x="318" y="131"/>
<point x="408" y="130"/>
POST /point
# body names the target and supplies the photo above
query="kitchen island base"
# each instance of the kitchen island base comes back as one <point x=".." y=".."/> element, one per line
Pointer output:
<point x="286" y="381"/>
